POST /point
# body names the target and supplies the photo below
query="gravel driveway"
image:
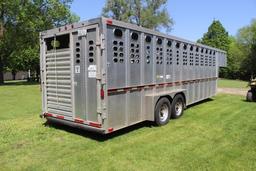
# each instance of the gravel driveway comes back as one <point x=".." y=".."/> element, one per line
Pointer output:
<point x="236" y="91"/>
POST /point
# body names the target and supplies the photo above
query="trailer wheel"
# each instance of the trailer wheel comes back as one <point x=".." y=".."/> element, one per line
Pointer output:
<point x="162" y="111"/>
<point x="249" y="96"/>
<point x="177" y="106"/>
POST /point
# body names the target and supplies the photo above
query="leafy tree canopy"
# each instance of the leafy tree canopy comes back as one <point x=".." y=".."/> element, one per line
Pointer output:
<point x="216" y="36"/>
<point x="147" y="13"/>
<point x="241" y="49"/>
<point x="22" y="21"/>
<point x="247" y="39"/>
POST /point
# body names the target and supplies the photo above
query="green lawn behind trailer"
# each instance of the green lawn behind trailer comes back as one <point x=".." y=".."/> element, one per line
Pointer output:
<point x="225" y="83"/>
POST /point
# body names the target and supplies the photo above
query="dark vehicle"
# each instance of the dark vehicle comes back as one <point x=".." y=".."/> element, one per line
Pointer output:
<point x="251" y="94"/>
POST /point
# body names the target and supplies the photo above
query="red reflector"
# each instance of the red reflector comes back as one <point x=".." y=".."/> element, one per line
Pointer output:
<point x="77" y="120"/>
<point x="48" y="114"/>
<point x="102" y="93"/>
<point x="110" y="129"/>
<point x="60" y="117"/>
<point x="94" y="124"/>
<point x="109" y="22"/>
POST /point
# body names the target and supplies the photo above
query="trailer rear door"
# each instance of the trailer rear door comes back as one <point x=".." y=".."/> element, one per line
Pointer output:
<point x="85" y="68"/>
<point x="57" y="76"/>
<point x="70" y="75"/>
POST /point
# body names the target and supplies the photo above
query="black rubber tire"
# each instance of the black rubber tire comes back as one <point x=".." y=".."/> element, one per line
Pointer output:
<point x="177" y="99"/>
<point x="249" y="96"/>
<point x="160" y="103"/>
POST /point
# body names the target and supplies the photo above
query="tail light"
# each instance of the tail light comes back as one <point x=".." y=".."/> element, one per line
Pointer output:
<point x="109" y="22"/>
<point x="102" y="93"/>
<point x="110" y="130"/>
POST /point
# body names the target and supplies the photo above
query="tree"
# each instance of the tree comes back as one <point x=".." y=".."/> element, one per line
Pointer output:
<point x="218" y="37"/>
<point x="247" y="40"/>
<point x="1" y="30"/>
<point x="23" y="20"/>
<point x="117" y="9"/>
<point x="147" y="13"/>
<point x="236" y="55"/>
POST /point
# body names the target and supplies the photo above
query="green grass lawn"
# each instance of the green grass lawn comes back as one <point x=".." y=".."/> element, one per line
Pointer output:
<point x="19" y="99"/>
<point x="218" y="134"/>
<point x="225" y="83"/>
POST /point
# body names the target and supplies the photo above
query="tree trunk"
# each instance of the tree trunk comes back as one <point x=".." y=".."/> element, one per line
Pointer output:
<point x="1" y="71"/>
<point x="38" y="73"/>
<point x="13" y="75"/>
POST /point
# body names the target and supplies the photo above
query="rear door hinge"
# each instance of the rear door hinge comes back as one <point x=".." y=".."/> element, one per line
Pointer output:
<point x="102" y="39"/>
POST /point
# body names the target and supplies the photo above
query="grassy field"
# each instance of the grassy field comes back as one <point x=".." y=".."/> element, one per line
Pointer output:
<point x="225" y="83"/>
<point x="19" y="99"/>
<point x="218" y="134"/>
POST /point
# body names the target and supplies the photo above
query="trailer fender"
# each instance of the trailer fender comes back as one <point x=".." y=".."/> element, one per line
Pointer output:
<point x="152" y="99"/>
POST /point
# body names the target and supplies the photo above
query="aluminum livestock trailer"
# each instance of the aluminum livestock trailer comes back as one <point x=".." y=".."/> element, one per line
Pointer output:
<point x="103" y="75"/>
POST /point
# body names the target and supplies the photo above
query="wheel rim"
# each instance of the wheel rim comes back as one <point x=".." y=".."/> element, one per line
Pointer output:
<point x="164" y="110"/>
<point x="178" y="107"/>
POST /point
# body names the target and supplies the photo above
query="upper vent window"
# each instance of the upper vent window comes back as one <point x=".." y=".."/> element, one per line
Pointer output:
<point x="58" y="42"/>
<point x="134" y="36"/>
<point x="148" y="39"/>
<point x="118" y="32"/>
<point x="169" y="43"/>
<point x="159" y="41"/>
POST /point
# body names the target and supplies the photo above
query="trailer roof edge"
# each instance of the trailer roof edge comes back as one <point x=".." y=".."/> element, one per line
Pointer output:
<point x="125" y="25"/>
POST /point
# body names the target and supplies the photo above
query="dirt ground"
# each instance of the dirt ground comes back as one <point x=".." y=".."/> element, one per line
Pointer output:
<point x="236" y="91"/>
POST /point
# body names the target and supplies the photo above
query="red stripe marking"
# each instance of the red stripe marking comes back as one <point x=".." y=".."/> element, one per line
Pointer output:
<point x="151" y="85"/>
<point x="113" y="89"/>
<point x="60" y="117"/>
<point x="78" y="120"/>
<point x="177" y="83"/>
<point x="141" y="86"/>
<point x="159" y="85"/>
<point x="95" y="124"/>
<point x="48" y="114"/>
<point x="126" y="89"/>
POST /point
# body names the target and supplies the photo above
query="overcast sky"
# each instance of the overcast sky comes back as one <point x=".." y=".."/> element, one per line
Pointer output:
<point x="191" y="18"/>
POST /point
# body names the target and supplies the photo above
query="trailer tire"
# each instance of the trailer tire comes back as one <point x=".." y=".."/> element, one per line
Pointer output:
<point x="249" y="96"/>
<point x="178" y="104"/>
<point x="162" y="111"/>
